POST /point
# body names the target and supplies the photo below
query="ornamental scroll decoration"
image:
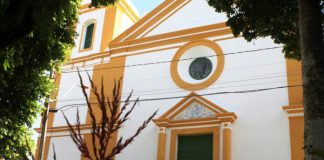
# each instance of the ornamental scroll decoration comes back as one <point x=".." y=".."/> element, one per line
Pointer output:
<point x="194" y="111"/>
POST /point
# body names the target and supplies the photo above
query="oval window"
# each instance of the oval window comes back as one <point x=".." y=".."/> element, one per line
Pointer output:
<point x="200" y="68"/>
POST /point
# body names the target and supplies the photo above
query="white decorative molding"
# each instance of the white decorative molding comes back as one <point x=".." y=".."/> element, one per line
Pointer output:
<point x="194" y="111"/>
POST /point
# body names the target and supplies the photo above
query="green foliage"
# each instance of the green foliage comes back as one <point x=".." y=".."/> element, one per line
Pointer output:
<point x="261" y="18"/>
<point x="37" y="36"/>
<point x="101" y="3"/>
<point x="19" y="137"/>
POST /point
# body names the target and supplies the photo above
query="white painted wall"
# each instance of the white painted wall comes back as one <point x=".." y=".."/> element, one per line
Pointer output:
<point x="261" y="130"/>
<point x="65" y="149"/>
<point x="195" y="14"/>
<point x="126" y="23"/>
<point x="70" y="97"/>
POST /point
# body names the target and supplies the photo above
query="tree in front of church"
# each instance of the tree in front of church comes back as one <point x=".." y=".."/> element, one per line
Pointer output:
<point x="113" y="113"/>
<point x="298" y="26"/>
<point x="35" y="36"/>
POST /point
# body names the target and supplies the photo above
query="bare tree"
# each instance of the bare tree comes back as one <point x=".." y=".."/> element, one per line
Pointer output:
<point x="114" y="114"/>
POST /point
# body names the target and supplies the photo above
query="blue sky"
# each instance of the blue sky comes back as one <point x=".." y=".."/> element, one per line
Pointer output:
<point x="145" y="6"/>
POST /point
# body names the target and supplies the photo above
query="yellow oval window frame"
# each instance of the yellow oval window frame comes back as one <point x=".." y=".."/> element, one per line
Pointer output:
<point x="219" y="68"/>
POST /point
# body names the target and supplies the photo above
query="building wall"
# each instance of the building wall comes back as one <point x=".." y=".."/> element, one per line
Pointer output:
<point x="262" y="128"/>
<point x="71" y="98"/>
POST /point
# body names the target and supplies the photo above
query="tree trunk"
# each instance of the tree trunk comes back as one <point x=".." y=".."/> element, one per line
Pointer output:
<point x="312" y="49"/>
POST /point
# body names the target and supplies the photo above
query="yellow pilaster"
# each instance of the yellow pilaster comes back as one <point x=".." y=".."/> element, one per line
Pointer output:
<point x="295" y="109"/>
<point x="161" y="144"/>
<point x="227" y="134"/>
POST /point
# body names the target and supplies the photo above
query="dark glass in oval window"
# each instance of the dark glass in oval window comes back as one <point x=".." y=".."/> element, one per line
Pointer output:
<point x="200" y="68"/>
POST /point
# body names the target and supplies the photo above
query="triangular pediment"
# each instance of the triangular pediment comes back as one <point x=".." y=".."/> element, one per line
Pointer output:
<point x="197" y="109"/>
<point x="172" y="19"/>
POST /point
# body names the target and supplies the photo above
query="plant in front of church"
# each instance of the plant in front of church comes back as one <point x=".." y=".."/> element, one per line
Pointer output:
<point x="113" y="113"/>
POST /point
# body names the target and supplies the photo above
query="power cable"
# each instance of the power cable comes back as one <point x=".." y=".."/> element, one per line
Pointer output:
<point x="156" y="91"/>
<point x="227" y="70"/>
<point x="189" y="96"/>
<point x="169" y="61"/>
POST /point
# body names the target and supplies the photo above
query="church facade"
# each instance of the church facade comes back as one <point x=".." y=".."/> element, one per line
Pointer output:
<point x="218" y="97"/>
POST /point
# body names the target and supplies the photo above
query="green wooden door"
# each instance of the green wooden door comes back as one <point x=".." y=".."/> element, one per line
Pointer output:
<point x="195" y="147"/>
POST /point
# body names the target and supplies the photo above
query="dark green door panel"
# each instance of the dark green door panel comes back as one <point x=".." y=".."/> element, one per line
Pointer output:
<point x="195" y="147"/>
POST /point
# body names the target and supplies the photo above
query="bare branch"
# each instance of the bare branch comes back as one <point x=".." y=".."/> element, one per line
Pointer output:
<point x="113" y="116"/>
<point x="54" y="152"/>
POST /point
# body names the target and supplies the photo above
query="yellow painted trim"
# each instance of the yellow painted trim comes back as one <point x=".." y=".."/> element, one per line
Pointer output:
<point x="291" y="107"/>
<point x="108" y="27"/>
<point x="186" y="99"/>
<point x="297" y="137"/>
<point x="169" y="35"/>
<point x="130" y="10"/>
<point x="219" y="68"/>
<point x="63" y="128"/>
<point x="161" y="146"/>
<point x="294" y="109"/>
<point x="210" y="124"/>
<point x="295" y="94"/>
<point x="147" y="46"/>
<point x="85" y="24"/>
<point x="88" y="140"/>
<point x="105" y="54"/>
<point x="186" y="38"/>
<point x="195" y="124"/>
<point x="156" y="19"/>
<point x="161" y="21"/>
<point x="194" y="131"/>
<point x="108" y="81"/>
<point x="296" y="122"/>
<point x="227" y="141"/>
<point x="141" y="21"/>
<point x="118" y="23"/>
<point x="167" y="119"/>
<point x="125" y="8"/>
<point x="37" y="149"/>
<point x="46" y="147"/>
